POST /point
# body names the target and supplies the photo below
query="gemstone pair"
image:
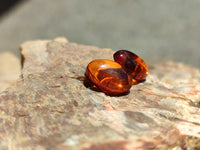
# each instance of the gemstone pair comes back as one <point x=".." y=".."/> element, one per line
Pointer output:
<point x="117" y="77"/>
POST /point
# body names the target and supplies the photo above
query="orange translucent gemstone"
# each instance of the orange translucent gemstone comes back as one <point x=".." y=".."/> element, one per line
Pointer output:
<point x="109" y="76"/>
<point x="132" y="64"/>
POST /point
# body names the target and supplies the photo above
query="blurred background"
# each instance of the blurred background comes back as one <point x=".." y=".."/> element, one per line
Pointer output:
<point x="155" y="30"/>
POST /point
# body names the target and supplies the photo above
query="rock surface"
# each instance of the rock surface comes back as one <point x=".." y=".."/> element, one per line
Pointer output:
<point x="49" y="108"/>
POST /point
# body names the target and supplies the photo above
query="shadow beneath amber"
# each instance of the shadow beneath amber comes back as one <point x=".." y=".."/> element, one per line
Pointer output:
<point x="89" y="84"/>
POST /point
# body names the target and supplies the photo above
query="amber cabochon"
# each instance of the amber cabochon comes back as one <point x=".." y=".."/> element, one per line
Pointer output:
<point x="109" y="76"/>
<point x="132" y="64"/>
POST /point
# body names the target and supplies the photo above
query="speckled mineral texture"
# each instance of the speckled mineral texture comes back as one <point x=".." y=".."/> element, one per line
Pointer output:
<point x="49" y="108"/>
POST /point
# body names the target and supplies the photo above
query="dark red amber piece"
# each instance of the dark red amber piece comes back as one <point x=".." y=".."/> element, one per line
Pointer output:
<point x="109" y="76"/>
<point x="132" y="64"/>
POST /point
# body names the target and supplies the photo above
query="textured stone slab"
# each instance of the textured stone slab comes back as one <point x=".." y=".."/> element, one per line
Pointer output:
<point x="49" y="108"/>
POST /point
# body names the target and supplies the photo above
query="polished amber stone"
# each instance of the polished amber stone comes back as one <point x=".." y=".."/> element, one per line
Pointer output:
<point x="109" y="76"/>
<point x="132" y="64"/>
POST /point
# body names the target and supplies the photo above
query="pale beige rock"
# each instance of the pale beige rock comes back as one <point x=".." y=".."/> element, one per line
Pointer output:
<point x="10" y="70"/>
<point x="50" y="108"/>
